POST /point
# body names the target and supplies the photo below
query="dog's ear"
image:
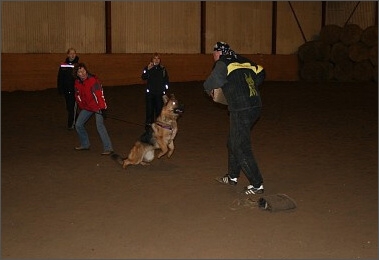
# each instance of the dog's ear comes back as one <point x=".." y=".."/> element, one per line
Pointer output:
<point x="165" y="99"/>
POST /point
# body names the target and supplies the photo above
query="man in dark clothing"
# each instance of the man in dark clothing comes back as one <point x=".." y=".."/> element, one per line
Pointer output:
<point x="239" y="79"/>
<point x="157" y="85"/>
<point x="65" y="84"/>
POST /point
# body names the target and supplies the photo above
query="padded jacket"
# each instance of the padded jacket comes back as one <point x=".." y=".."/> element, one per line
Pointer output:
<point x="65" y="79"/>
<point x="239" y="79"/>
<point x="89" y="94"/>
<point x="157" y="79"/>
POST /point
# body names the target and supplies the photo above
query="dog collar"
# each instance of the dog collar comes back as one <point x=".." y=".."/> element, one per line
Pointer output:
<point x="164" y="126"/>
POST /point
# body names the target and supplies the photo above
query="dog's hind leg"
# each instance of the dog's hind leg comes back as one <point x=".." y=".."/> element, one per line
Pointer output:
<point x="171" y="148"/>
<point x="148" y="156"/>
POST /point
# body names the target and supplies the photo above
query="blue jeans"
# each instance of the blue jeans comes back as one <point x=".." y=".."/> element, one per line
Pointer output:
<point x="240" y="153"/>
<point x="83" y="117"/>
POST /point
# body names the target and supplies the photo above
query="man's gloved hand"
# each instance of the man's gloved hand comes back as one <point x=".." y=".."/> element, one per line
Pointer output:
<point x="104" y="113"/>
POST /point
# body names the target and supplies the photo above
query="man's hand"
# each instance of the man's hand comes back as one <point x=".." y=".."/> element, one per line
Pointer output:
<point x="104" y="113"/>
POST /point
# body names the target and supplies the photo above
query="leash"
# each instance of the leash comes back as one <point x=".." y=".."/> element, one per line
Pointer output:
<point x="119" y="119"/>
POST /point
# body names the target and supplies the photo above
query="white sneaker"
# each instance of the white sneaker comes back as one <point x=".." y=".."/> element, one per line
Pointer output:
<point x="251" y="190"/>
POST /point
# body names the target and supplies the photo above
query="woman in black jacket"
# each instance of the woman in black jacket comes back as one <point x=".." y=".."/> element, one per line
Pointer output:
<point x="157" y="85"/>
<point x="65" y="84"/>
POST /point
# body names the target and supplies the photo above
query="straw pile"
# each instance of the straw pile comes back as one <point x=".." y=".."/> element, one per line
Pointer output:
<point x="341" y="53"/>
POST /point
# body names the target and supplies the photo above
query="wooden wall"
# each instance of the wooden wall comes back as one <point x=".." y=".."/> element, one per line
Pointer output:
<point x="246" y="26"/>
<point x="52" y="27"/>
<point x="165" y="27"/>
<point x="171" y="26"/>
<point x="289" y="32"/>
<point x="36" y="35"/>
<point x="362" y="13"/>
<point x="31" y="72"/>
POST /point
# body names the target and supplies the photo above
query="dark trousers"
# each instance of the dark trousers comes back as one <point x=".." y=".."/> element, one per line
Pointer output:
<point x="70" y="107"/>
<point x="240" y="153"/>
<point x="154" y="104"/>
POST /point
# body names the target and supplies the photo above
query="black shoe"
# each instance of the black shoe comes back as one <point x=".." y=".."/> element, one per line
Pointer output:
<point x="227" y="180"/>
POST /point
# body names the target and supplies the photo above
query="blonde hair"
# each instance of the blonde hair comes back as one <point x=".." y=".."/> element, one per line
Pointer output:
<point x="70" y="49"/>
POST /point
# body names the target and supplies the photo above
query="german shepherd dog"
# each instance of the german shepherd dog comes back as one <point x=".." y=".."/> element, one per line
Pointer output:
<point x="160" y="135"/>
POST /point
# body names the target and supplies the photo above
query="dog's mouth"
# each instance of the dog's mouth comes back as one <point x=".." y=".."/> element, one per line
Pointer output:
<point x="179" y="110"/>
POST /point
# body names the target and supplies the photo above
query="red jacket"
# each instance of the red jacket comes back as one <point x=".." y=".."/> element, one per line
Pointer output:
<point x="89" y="94"/>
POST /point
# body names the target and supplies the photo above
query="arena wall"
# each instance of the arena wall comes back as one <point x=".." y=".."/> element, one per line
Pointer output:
<point x="30" y="72"/>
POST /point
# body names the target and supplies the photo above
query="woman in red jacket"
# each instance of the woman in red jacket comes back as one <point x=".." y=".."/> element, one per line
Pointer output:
<point x="90" y="99"/>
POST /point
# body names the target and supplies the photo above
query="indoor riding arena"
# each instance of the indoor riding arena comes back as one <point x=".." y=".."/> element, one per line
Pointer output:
<point x="316" y="142"/>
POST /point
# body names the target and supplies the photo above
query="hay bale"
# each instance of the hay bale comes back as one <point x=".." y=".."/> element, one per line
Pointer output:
<point x="339" y="53"/>
<point x="343" y="71"/>
<point x="359" y="51"/>
<point x="363" y="71"/>
<point x="373" y="55"/>
<point x="317" y="71"/>
<point x="307" y="52"/>
<point x="370" y="36"/>
<point x="330" y="34"/>
<point x="351" y="33"/>
<point x="314" y="51"/>
<point x="323" y="50"/>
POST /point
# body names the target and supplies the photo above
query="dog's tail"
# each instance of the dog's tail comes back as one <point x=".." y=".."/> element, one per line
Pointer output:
<point x="116" y="157"/>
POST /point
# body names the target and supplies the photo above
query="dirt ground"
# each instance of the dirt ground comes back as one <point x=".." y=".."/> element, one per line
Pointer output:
<point x="316" y="143"/>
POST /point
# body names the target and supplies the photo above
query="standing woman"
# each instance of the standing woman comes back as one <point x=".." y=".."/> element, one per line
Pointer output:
<point x="90" y="99"/>
<point x="65" y="84"/>
<point x="156" y="86"/>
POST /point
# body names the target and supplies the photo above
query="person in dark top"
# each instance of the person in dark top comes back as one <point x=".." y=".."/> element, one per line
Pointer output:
<point x="65" y="84"/>
<point x="157" y="81"/>
<point x="239" y="78"/>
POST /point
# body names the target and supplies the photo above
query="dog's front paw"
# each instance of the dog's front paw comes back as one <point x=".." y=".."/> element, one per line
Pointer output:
<point x="125" y="164"/>
<point x="145" y="163"/>
<point x="161" y="154"/>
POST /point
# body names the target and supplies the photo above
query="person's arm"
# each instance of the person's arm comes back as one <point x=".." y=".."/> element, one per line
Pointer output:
<point x="217" y="78"/>
<point x="260" y="75"/>
<point x="59" y="81"/>
<point x="145" y="72"/>
<point x="97" y="90"/>
<point x="77" y="94"/>
<point x="165" y="79"/>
